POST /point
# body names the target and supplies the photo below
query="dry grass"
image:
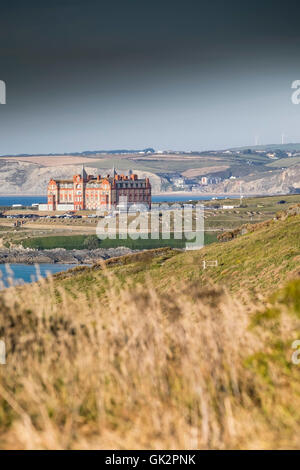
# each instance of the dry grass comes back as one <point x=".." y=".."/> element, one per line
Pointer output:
<point x="204" y="171"/>
<point x="138" y="369"/>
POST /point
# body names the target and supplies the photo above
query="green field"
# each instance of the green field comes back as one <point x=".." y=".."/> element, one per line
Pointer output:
<point x="180" y="163"/>
<point x="78" y="242"/>
<point x="285" y="162"/>
<point x="50" y="233"/>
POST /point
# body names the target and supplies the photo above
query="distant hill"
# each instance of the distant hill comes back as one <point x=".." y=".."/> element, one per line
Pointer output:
<point x="258" y="172"/>
<point x="289" y="147"/>
<point x="86" y="152"/>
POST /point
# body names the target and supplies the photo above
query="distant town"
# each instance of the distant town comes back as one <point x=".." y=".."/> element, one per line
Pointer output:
<point x="177" y="181"/>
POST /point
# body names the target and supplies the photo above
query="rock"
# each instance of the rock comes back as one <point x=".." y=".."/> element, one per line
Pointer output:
<point x="60" y="255"/>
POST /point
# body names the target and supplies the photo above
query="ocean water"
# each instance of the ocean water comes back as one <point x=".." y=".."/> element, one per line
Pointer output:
<point x="26" y="273"/>
<point x="6" y="201"/>
<point x="176" y="198"/>
<point x="190" y="197"/>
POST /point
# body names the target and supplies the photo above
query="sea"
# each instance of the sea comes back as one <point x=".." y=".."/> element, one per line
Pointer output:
<point x="7" y="201"/>
<point x="17" y="274"/>
<point x="186" y="198"/>
<point x="27" y="201"/>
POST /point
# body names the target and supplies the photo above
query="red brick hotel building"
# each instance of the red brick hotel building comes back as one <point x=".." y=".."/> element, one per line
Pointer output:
<point x="102" y="192"/>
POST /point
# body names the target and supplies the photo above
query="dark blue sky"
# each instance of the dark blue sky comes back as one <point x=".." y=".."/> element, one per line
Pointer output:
<point x="168" y="74"/>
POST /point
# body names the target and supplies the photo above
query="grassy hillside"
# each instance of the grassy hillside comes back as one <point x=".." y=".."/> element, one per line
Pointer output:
<point x="145" y="351"/>
<point x="261" y="260"/>
<point x="269" y="147"/>
<point x="284" y="162"/>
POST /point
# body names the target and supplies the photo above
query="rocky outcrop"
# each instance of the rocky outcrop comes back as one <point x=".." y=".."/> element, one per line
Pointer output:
<point x="60" y="255"/>
<point x="279" y="182"/>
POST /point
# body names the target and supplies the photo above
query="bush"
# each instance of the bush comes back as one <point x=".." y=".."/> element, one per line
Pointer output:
<point x="91" y="242"/>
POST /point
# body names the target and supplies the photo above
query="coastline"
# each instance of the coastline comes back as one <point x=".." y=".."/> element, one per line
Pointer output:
<point x="173" y="193"/>
<point x="60" y="255"/>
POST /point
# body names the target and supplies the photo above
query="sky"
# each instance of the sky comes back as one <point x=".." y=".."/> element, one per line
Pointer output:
<point x="168" y="74"/>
